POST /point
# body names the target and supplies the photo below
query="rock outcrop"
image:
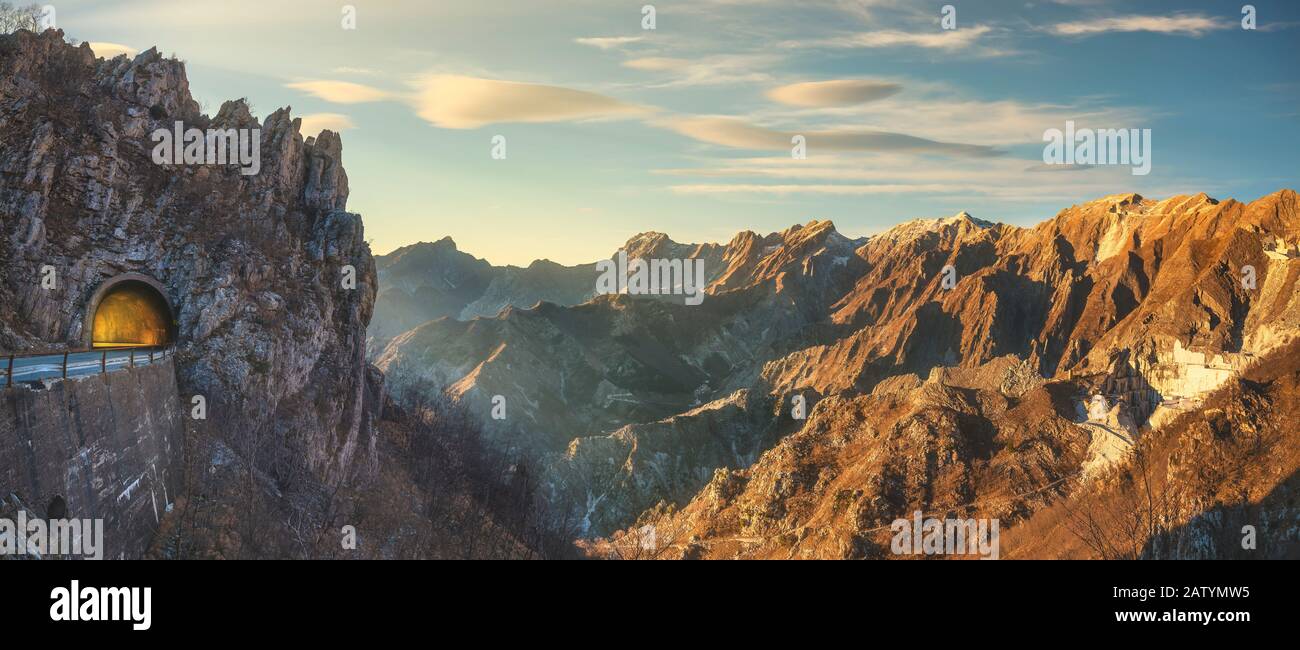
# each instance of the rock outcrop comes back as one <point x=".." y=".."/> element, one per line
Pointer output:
<point x="670" y="460"/>
<point x="253" y="265"/>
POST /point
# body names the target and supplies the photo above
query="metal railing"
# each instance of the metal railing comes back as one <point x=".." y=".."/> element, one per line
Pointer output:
<point x="34" y="366"/>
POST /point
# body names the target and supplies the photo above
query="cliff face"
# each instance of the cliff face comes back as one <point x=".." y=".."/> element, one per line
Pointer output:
<point x="252" y="264"/>
<point x="104" y="447"/>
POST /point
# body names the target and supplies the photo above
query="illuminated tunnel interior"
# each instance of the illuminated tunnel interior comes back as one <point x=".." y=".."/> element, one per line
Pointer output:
<point x="132" y="313"/>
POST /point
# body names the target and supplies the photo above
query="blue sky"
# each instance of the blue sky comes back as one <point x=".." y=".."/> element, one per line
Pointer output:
<point x="612" y="129"/>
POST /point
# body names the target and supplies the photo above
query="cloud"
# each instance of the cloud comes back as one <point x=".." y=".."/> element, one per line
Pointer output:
<point x="1186" y="25"/>
<point x="464" y="102"/>
<point x="837" y="92"/>
<point x="656" y="63"/>
<point x="354" y="70"/>
<point x="316" y="122"/>
<point x="1018" y="192"/>
<point x="737" y="134"/>
<point x="851" y="190"/>
<point x="887" y="168"/>
<point x="858" y="10"/>
<point x="608" y="42"/>
<point x="341" y="92"/>
<point x="1044" y="167"/>
<point x="854" y="173"/>
<point x="1279" y="26"/>
<point x="110" y="50"/>
<point x="710" y="70"/>
<point x="948" y="40"/>
<point x="938" y="112"/>
<point x="876" y="168"/>
<point x="459" y="102"/>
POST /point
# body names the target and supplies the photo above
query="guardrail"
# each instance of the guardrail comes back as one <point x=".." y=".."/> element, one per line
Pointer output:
<point x="35" y="366"/>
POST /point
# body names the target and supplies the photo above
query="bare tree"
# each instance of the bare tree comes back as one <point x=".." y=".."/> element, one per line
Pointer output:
<point x="1125" y="521"/>
<point x="14" y="18"/>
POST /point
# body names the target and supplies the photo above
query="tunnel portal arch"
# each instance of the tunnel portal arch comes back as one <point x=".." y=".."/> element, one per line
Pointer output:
<point x="129" y="310"/>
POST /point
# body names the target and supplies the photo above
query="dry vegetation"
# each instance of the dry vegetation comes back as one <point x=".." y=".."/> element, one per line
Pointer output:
<point x="439" y="493"/>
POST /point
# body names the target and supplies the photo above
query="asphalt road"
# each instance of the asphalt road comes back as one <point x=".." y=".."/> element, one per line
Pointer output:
<point x="32" y="369"/>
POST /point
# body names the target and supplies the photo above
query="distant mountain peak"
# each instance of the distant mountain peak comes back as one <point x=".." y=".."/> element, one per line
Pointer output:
<point x="814" y="226"/>
<point x="647" y="240"/>
<point x="446" y="243"/>
<point x="968" y="218"/>
<point x="920" y="227"/>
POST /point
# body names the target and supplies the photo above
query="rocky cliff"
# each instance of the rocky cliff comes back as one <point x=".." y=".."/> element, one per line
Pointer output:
<point x="252" y="264"/>
<point x="105" y="446"/>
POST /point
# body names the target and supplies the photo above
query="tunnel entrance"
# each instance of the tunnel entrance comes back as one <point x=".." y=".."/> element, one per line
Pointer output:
<point x="130" y="311"/>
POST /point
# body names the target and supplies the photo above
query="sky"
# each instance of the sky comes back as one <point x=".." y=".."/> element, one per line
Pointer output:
<point x="612" y="129"/>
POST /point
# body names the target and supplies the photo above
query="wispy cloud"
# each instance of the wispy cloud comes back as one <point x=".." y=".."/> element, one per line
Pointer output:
<point x="454" y="101"/>
<point x="1008" y="182"/>
<point x="849" y="190"/>
<point x="893" y="173"/>
<point x="939" y="112"/>
<point x="836" y="92"/>
<point x="608" y="42"/>
<point x="360" y="71"/>
<point x="1184" y="25"/>
<point x="459" y="102"/>
<point x="709" y="70"/>
<point x="316" y="122"/>
<point x="738" y="134"/>
<point x="875" y="168"/>
<point x="656" y="63"/>
<point x="341" y="92"/>
<point x="947" y="40"/>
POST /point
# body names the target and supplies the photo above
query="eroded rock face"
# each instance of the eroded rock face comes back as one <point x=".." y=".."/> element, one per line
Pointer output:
<point x="251" y="264"/>
<point x="607" y="481"/>
<point x="103" y="446"/>
<point x="831" y="489"/>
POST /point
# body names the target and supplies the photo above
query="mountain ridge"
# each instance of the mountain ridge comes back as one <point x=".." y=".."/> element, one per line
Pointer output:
<point x="807" y="311"/>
